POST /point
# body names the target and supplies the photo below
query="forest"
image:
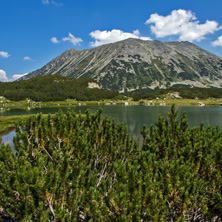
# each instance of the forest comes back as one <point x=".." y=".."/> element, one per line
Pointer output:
<point x="60" y="88"/>
<point x="85" y="167"/>
<point x="53" y="88"/>
<point x="184" y="92"/>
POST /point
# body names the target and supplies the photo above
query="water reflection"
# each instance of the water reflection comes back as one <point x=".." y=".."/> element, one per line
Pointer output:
<point x="8" y="139"/>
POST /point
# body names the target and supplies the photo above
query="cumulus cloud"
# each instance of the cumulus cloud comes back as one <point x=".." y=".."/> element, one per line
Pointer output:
<point x="71" y="38"/>
<point x="54" y="40"/>
<point x="3" y="77"/>
<point x="17" y="76"/>
<point x="27" y="58"/>
<point x="47" y="2"/>
<point x="4" y="54"/>
<point x="182" y="23"/>
<point x="74" y="40"/>
<point x="58" y="4"/>
<point x="218" y="42"/>
<point x="105" y="37"/>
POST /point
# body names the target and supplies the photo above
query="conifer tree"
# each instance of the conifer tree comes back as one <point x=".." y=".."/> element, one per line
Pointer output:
<point x="75" y="167"/>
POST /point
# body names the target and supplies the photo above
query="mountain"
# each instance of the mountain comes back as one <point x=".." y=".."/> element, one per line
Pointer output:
<point x="134" y="64"/>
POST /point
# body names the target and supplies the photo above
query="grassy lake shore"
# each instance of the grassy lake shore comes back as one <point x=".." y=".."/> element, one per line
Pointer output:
<point x="7" y="123"/>
<point x="155" y="102"/>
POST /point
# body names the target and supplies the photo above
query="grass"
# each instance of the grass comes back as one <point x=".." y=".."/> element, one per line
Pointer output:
<point x="67" y="102"/>
<point x="71" y="102"/>
<point x="187" y="102"/>
<point x="7" y="123"/>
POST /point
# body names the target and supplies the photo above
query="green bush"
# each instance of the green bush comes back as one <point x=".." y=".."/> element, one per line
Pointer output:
<point x="72" y="167"/>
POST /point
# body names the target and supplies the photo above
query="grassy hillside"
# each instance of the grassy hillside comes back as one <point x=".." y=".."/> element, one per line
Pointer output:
<point x="53" y="88"/>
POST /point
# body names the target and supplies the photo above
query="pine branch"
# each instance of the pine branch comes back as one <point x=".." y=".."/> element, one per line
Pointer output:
<point x="101" y="175"/>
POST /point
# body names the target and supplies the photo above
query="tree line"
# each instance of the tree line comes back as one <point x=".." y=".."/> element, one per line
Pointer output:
<point x="74" y="167"/>
<point x="185" y="92"/>
<point x="53" y="88"/>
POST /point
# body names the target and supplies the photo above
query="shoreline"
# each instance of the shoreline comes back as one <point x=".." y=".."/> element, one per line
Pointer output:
<point x="130" y="102"/>
<point x="7" y="123"/>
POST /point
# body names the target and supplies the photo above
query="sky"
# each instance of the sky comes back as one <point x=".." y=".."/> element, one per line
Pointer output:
<point x="33" y="32"/>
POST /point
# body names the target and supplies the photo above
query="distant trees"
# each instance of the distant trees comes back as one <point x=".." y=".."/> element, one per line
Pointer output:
<point x="53" y="88"/>
<point x="186" y="93"/>
<point x="71" y="167"/>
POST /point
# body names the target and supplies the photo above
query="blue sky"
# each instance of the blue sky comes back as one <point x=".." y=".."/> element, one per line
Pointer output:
<point x="33" y="32"/>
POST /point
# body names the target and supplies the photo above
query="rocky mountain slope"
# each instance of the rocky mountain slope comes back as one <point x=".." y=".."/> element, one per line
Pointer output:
<point x="136" y="64"/>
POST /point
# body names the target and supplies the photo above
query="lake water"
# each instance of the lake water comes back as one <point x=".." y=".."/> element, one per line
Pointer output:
<point x="134" y="117"/>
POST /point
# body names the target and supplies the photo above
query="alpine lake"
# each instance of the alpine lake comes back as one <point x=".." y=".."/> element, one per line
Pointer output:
<point x="133" y="117"/>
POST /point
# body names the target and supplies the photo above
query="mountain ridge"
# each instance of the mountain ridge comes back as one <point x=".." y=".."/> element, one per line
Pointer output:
<point x="134" y="64"/>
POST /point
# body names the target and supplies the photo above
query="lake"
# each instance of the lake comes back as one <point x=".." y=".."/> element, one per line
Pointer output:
<point x="134" y="117"/>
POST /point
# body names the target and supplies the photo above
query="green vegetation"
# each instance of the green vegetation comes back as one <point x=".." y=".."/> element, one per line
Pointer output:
<point x="185" y="93"/>
<point x="58" y="90"/>
<point x="53" y="88"/>
<point x="72" y="167"/>
<point x="9" y="121"/>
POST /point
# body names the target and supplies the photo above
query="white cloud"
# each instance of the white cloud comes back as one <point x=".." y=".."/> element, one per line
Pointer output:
<point x="74" y="40"/>
<point x="47" y="2"/>
<point x="218" y="42"/>
<point x="105" y="37"/>
<point x="71" y="38"/>
<point x="17" y="76"/>
<point x="3" y="77"/>
<point x="4" y="54"/>
<point x="145" y="38"/>
<point x="27" y="58"/>
<point x="182" y="23"/>
<point x="136" y="32"/>
<point x="54" y="40"/>
<point x="58" y="4"/>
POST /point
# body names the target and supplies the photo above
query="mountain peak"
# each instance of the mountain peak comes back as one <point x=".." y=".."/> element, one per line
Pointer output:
<point x="133" y="64"/>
